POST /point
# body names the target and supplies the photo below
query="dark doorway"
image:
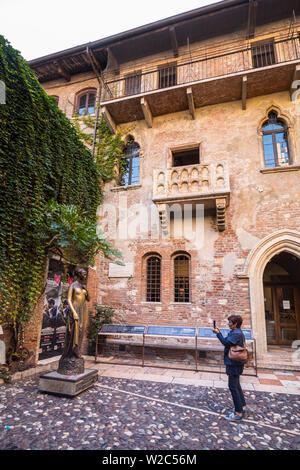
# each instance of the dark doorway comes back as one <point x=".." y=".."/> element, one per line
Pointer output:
<point x="282" y="299"/>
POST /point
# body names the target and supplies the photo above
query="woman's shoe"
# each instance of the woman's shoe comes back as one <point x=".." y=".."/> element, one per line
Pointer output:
<point x="232" y="416"/>
<point x="233" y="411"/>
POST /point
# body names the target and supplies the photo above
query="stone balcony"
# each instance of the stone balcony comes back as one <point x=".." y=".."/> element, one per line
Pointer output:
<point x="198" y="184"/>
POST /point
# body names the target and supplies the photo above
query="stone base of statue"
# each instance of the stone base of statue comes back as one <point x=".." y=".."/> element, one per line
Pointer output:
<point x="71" y="365"/>
<point x="67" y="385"/>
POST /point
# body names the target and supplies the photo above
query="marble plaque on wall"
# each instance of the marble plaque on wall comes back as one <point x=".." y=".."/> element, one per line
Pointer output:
<point x="2" y="353"/>
<point x="120" y="271"/>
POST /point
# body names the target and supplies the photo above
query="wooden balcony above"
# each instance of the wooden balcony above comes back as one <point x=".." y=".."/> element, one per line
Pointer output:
<point x="199" y="184"/>
<point x="240" y="74"/>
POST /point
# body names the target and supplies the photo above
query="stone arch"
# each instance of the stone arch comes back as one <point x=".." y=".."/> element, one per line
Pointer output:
<point x="283" y="116"/>
<point x="261" y="254"/>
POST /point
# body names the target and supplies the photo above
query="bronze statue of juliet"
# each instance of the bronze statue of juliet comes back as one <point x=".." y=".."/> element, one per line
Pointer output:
<point x="71" y="362"/>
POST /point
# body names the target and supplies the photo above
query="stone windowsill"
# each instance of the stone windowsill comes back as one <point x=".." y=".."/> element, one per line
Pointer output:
<point x="151" y="303"/>
<point x="125" y="188"/>
<point x="279" y="169"/>
<point x="180" y="303"/>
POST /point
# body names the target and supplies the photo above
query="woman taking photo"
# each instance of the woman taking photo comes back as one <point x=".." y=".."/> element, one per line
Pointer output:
<point x="234" y="369"/>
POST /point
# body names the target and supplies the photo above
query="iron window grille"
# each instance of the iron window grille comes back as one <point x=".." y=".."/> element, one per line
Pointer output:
<point x="263" y="54"/>
<point x="275" y="142"/>
<point x="153" y="279"/>
<point x="86" y="103"/>
<point x="182" y="279"/>
<point x="167" y="76"/>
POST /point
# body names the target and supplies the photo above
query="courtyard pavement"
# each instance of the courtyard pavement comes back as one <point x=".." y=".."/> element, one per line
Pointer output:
<point x="134" y="408"/>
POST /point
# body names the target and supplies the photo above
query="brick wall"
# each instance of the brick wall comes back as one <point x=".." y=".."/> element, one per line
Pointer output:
<point x="259" y="205"/>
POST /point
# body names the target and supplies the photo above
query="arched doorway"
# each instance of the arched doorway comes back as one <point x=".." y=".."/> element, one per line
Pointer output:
<point x="281" y="281"/>
<point x="266" y="249"/>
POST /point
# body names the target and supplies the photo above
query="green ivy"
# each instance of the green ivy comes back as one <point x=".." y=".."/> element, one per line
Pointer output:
<point x="108" y="146"/>
<point x="103" y="315"/>
<point x="5" y="375"/>
<point x="49" y="190"/>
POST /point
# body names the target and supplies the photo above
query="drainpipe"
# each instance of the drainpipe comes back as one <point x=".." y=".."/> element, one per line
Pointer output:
<point x="101" y="84"/>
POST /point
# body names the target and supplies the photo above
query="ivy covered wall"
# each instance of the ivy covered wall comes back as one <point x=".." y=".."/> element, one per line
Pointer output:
<point x="42" y="162"/>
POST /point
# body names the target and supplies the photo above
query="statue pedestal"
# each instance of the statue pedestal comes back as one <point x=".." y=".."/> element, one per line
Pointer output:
<point x="67" y="385"/>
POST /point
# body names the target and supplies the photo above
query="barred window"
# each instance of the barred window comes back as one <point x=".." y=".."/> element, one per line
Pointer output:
<point x="167" y="76"/>
<point x="153" y="279"/>
<point x="182" y="278"/>
<point x="263" y="54"/>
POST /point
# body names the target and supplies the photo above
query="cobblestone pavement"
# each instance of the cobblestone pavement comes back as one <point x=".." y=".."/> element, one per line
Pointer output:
<point x="118" y="413"/>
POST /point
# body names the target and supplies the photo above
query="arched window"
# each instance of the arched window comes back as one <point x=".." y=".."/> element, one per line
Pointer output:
<point x="86" y="103"/>
<point x="153" y="279"/>
<point x="275" y="141"/>
<point x="56" y="98"/>
<point x="132" y="156"/>
<point x="182" y="278"/>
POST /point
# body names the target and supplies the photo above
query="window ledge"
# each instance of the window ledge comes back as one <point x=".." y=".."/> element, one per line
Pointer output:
<point x="125" y="188"/>
<point x="279" y="169"/>
<point x="180" y="303"/>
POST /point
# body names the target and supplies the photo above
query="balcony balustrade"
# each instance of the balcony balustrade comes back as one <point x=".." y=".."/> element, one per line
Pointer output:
<point x="269" y="67"/>
<point x="203" y="184"/>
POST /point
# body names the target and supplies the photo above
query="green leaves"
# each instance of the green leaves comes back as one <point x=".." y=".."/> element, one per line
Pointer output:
<point x="70" y="228"/>
<point x="103" y="315"/>
<point x="109" y="147"/>
<point x="49" y="189"/>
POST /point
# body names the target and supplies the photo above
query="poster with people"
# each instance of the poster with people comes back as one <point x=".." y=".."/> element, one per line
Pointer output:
<point x="56" y="311"/>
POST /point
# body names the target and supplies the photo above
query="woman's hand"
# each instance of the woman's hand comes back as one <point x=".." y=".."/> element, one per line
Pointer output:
<point x="216" y="331"/>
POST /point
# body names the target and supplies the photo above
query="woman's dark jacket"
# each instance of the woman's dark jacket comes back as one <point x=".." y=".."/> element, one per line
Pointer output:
<point x="234" y="337"/>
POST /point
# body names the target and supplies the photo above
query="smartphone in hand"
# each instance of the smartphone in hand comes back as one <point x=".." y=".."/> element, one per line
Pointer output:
<point x="214" y="324"/>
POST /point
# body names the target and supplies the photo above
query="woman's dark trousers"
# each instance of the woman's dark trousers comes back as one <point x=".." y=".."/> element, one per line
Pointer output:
<point x="236" y="392"/>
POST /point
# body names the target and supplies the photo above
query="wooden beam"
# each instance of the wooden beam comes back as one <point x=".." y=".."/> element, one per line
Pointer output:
<point x="191" y="103"/>
<point x="95" y="62"/>
<point x="112" y="62"/>
<point x="295" y="85"/>
<point x="62" y="71"/>
<point x="147" y="112"/>
<point x="252" y="13"/>
<point x="108" y="119"/>
<point x="174" y="41"/>
<point x="244" y="92"/>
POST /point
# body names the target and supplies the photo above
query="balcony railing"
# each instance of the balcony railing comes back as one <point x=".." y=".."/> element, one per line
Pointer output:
<point x="191" y="182"/>
<point x="254" y="57"/>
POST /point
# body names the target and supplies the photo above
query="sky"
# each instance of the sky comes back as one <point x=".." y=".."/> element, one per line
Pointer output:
<point x="39" y="27"/>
